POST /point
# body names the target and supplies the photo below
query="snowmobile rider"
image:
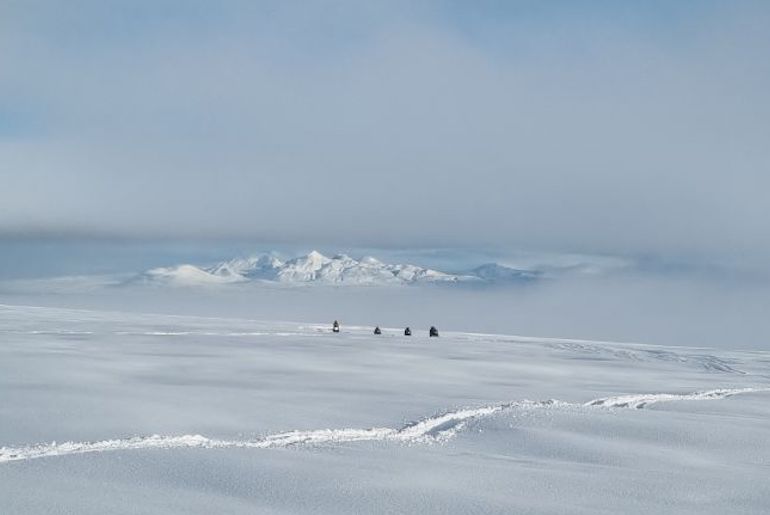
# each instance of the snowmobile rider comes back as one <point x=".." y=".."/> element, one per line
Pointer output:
<point x="377" y="330"/>
<point x="433" y="332"/>
<point x="336" y="327"/>
<point x="407" y="332"/>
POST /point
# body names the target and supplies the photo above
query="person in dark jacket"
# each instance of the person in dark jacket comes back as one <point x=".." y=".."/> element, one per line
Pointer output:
<point x="336" y="327"/>
<point x="377" y="330"/>
<point x="407" y="332"/>
<point x="433" y="332"/>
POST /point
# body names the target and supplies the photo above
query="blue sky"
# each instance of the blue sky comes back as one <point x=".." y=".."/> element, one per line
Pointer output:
<point x="609" y="127"/>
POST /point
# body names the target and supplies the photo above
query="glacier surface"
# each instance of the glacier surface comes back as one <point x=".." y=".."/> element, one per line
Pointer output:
<point x="130" y="412"/>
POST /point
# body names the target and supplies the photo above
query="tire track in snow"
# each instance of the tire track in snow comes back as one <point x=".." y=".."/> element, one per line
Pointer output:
<point x="430" y="430"/>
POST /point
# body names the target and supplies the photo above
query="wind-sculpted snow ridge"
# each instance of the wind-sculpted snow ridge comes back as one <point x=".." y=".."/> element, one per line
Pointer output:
<point x="430" y="430"/>
<point x="435" y="429"/>
<point x="643" y="400"/>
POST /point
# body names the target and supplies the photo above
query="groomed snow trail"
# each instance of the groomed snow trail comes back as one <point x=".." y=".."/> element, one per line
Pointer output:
<point x="434" y="429"/>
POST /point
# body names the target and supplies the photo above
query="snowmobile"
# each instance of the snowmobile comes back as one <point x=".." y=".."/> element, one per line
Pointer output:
<point x="377" y="330"/>
<point x="336" y="327"/>
<point x="433" y="332"/>
<point x="407" y="332"/>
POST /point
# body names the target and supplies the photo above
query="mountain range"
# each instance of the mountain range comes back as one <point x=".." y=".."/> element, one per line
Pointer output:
<point x="318" y="268"/>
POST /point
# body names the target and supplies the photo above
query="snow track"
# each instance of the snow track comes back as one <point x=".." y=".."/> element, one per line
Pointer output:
<point x="434" y="429"/>
<point x="644" y="400"/>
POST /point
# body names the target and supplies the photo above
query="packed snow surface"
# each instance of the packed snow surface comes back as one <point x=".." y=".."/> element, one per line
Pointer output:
<point x="116" y="412"/>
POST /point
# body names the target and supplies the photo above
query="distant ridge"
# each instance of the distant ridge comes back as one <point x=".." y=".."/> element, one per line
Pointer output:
<point x="311" y="268"/>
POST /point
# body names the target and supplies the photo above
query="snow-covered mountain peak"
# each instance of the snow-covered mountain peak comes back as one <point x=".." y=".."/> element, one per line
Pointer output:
<point x="371" y="261"/>
<point x="267" y="260"/>
<point x="189" y="275"/>
<point x="311" y="268"/>
<point x="243" y="268"/>
<point x="316" y="257"/>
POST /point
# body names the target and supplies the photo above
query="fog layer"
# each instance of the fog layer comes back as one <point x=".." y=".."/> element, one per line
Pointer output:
<point x="604" y="128"/>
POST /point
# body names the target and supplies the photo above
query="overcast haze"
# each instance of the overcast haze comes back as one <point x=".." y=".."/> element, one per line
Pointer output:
<point x="594" y="126"/>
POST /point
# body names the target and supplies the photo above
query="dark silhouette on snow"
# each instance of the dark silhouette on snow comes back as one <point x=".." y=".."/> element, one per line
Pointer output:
<point x="336" y="327"/>
<point x="433" y="332"/>
<point x="407" y="332"/>
<point x="377" y="330"/>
